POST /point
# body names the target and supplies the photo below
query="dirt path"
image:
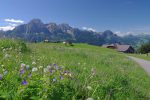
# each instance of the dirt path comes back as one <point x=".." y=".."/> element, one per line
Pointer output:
<point x="143" y="63"/>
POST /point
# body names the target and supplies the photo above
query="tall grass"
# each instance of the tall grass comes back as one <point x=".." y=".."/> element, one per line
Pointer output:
<point x="71" y="73"/>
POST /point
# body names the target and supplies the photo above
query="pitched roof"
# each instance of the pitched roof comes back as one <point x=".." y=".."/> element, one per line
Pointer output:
<point x="123" y="47"/>
<point x="118" y="47"/>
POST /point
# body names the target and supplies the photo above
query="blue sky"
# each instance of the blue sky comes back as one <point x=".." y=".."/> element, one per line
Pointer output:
<point x="120" y="16"/>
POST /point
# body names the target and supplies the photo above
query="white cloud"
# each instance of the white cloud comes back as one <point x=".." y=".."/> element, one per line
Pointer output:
<point x="119" y="33"/>
<point x="88" y="29"/>
<point x="11" y="24"/>
<point x="6" y="28"/>
<point x="14" y="21"/>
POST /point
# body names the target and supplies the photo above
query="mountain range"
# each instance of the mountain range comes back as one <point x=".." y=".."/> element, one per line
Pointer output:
<point x="36" y="30"/>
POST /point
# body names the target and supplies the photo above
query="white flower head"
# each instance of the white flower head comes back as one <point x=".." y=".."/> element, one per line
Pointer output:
<point x="23" y="65"/>
<point x="34" y="69"/>
<point x="33" y="63"/>
<point x="79" y="63"/>
<point x="7" y="56"/>
<point x="90" y="98"/>
<point x="45" y="70"/>
<point x="4" y="50"/>
<point x="49" y="66"/>
<point x="89" y="87"/>
<point x="5" y="72"/>
<point x="27" y="66"/>
<point x="40" y="67"/>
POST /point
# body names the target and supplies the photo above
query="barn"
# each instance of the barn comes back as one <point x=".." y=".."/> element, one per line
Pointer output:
<point x="121" y="48"/>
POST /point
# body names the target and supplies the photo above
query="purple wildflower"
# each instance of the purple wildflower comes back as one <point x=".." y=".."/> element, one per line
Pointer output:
<point x="22" y="72"/>
<point x="55" y="65"/>
<point x="61" y="77"/>
<point x="1" y="76"/>
<point x="57" y="68"/>
<point x="30" y="75"/>
<point x="51" y="71"/>
<point x="24" y="82"/>
<point x="50" y="64"/>
<point x="23" y="65"/>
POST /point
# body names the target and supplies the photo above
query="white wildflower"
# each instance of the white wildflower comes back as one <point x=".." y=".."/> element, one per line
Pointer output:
<point x="33" y="63"/>
<point x="27" y="66"/>
<point x="40" y="67"/>
<point x="45" y="70"/>
<point x="4" y="50"/>
<point x="5" y="72"/>
<point x="89" y="87"/>
<point x="49" y="67"/>
<point x="34" y="69"/>
<point x="23" y="65"/>
<point x="90" y="98"/>
<point x="7" y="56"/>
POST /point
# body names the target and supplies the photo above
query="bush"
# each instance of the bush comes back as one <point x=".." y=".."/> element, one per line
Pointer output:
<point x="145" y="48"/>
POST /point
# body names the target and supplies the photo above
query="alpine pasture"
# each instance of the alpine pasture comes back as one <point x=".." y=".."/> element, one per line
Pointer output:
<point x="53" y="71"/>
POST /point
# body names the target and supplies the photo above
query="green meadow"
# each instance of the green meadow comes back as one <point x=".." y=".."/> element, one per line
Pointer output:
<point x="142" y="56"/>
<point x="53" y="71"/>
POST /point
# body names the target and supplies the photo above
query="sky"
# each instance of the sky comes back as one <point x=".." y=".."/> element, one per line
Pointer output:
<point x="120" y="16"/>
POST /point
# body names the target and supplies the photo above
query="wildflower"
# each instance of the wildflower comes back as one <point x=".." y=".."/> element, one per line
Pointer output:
<point x="89" y="87"/>
<point x="65" y="73"/>
<point x="33" y="63"/>
<point x="70" y="74"/>
<point x="24" y="82"/>
<point x="51" y="71"/>
<point x="23" y="65"/>
<point x="54" y="80"/>
<point x="40" y="67"/>
<point x="34" y="69"/>
<point x="61" y="77"/>
<point x="27" y="67"/>
<point x="5" y="72"/>
<point x="90" y="98"/>
<point x="45" y="70"/>
<point x="7" y="56"/>
<point x="30" y="75"/>
<point x="22" y="71"/>
<point x="1" y="76"/>
<point x="57" y="67"/>
<point x="49" y="66"/>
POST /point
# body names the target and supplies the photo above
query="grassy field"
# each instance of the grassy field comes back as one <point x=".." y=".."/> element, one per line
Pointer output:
<point x="142" y="56"/>
<point x="46" y="71"/>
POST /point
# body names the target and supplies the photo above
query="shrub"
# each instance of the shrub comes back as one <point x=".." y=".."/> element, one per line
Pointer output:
<point x="145" y="48"/>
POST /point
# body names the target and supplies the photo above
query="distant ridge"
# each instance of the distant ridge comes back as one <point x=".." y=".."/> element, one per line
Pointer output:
<point x="36" y="30"/>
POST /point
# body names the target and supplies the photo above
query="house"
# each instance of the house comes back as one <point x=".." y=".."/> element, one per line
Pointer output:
<point x="46" y="41"/>
<point x="68" y="43"/>
<point x="121" y="48"/>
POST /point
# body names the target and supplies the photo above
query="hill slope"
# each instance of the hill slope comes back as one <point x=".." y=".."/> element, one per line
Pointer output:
<point x="55" y="71"/>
